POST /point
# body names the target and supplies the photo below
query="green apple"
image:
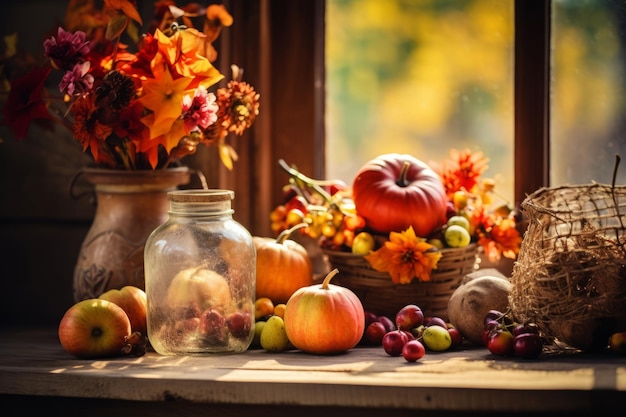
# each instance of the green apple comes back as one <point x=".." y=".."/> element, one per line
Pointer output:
<point x="436" y="243"/>
<point x="437" y="338"/>
<point x="273" y="335"/>
<point x="258" y="329"/>
<point x="133" y="301"/>
<point x="363" y="243"/>
<point x="94" y="328"/>
<point x="460" y="220"/>
<point x="457" y="236"/>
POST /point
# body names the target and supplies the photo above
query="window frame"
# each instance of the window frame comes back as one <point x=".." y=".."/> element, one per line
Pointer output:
<point x="283" y="55"/>
<point x="532" y="20"/>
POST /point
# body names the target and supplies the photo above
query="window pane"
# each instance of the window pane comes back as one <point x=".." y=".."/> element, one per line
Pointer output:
<point x="419" y="78"/>
<point x="588" y="103"/>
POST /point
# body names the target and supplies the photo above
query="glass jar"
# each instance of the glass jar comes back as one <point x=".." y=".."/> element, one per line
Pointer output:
<point x="200" y="273"/>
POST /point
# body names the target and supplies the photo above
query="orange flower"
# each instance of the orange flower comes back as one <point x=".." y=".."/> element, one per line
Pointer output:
<point x="133" y="110"/>
<point x="502" y="239"/>
<point x="462" y="171"/>
<point x="87" y="129"/>
<point x="181" y="53"/>
<point x="405" y="256"/>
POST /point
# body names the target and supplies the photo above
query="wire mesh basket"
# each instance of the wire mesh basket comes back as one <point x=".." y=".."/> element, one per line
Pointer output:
<point x="570" y="275"/>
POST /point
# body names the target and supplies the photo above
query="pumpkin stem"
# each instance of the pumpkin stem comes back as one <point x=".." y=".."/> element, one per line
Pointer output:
<point x="402" y="181"/>
<point x="329" y="276"/>
<point x="284" y="235"/>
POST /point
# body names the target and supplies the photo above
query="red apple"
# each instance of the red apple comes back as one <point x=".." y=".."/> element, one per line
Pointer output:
<point x="133" y="301"/>
<point x="374" y="334"/>
<point x="213" y="327"/>
<point x="456" y="336"/>
<point x="527" y="345"/>
<point x="413" y="350"/>
<point x="435" y="321"/>
<point x="394" y="341"/>
<point x="240" y="324"/>
<point x="94" y="328"/>
<point x="370" y="318"/>
<point x="409" y="317"/>
<point x="501" y="343"/>
<point x="387" y="322"/>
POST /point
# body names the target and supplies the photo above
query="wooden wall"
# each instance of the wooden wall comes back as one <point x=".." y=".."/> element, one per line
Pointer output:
<point x="42" y="225"/>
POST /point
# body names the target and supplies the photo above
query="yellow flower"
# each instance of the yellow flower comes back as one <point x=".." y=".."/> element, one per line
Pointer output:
<point x="164" y="96"/>
<point x="405" y="256"/>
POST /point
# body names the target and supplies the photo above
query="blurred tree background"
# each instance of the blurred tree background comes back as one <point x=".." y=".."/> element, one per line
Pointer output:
<point x="422" y="77"/>
<point x="588" y="110"/>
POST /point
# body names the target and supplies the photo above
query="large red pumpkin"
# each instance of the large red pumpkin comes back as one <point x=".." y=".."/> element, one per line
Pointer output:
<point x="395" y="191"/>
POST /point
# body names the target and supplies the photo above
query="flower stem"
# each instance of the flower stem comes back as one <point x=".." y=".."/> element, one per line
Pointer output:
<point x="315" y="184"/>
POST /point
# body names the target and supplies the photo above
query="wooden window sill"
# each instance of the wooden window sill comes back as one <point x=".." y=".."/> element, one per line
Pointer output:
<point x="35" y="371"/>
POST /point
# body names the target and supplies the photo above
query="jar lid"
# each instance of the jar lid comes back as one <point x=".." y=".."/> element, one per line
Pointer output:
<point x="200" y="196"/>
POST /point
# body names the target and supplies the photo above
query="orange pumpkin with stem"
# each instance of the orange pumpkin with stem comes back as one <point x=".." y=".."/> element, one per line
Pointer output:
<point x="282" y="266"/>
<point x="324" y="319"/>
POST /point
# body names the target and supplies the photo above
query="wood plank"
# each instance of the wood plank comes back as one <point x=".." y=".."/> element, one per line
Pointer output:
<point x="468" y="379"/>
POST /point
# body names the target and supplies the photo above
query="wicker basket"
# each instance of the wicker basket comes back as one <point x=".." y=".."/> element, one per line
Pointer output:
<point x="383" y="297"/>
<point x="570" y="276"/>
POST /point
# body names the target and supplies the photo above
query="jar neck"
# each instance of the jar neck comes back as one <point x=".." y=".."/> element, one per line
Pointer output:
<point x="219" y="209"/>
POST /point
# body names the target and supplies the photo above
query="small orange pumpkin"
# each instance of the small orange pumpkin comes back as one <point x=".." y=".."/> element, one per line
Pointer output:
<point x="282" y="266"/>
<point x="324" y="319"/>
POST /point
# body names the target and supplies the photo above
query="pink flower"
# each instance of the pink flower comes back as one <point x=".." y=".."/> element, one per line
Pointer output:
<point x="67" y="49"/>
<point x="77" y="80"/>
<point x="199" y="111"/>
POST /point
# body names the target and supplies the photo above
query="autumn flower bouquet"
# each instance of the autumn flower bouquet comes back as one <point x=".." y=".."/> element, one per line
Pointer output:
<point x="139" y="107"/>
<point x="492" y="219"/>
<point x="333" y="220"/>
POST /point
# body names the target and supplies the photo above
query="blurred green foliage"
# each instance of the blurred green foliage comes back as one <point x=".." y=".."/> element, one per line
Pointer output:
<point x="422" y="77"/>
<point x="419" y="77"/>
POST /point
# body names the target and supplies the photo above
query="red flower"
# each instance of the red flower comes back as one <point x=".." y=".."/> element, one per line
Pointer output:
<point x="25" y="102"/>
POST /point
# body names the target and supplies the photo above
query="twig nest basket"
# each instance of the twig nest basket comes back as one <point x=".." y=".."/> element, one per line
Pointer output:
<point x="381" y="296"/>
<point x="570" y="275"/>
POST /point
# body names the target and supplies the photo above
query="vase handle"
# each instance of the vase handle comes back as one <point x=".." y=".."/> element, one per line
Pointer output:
<point x="202" y="178"/>
<point x="71" y="188"/>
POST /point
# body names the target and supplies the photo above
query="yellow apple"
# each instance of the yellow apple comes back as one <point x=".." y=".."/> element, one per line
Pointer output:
<point x="460" y="220"/>
<point x="94" y="328"/>
<point x="362" y="244"/>
<point x="133" y="301"/>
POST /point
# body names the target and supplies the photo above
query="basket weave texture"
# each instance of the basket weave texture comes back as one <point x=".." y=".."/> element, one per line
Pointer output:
<point x="381" y="296"/>
<point x="570" y="275"/>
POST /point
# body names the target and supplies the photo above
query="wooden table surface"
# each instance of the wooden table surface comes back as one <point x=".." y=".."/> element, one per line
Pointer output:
<point x="35" y="373"/>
